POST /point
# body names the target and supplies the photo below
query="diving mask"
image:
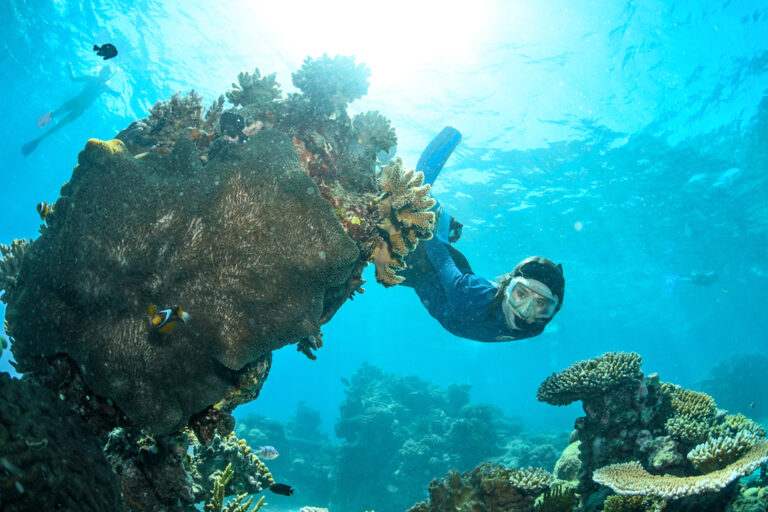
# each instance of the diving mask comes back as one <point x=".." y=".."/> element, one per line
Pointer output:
<point x="529" y="299"/>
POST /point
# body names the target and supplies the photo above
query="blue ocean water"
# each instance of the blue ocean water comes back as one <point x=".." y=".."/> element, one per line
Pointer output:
<point x="626" y="140"/>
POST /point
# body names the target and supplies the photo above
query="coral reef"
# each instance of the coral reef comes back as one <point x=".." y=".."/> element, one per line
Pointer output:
<point x="399" y="432"/>
<point x="567" y="466"/>
<point x="488" y="488"/>
<point x="149" y="468"/>
<point x="229" y="233"/>
<point x="170" y="120"/>
<point x="319" y="80"/>
<point x="738" y="383"/>
<point x="590" y="378"/>
<point x="10" y="264"/>
<point x="249" y="475"/>
<point x="307" y="456"/>
<point x="48" y="458"/>
<point x="619" y="503"/>
<point x="558" y="498"/>
<point x="215" y="503"/>
<point x="718" y="452"/>
<point x="404" y="207"/>
<point x="182" y="253"/>
<point x="254" y="89"/>
<point x="630" y="477"/>
<point x="374" y="131"/>
<point x="662" y="428"/>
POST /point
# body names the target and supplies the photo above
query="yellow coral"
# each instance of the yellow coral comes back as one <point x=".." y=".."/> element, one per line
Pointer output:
<point x="630" y="478"/>
<point x="405" y="219"/>
<point x="108" y="147"/>
<point x="690" y="404"/>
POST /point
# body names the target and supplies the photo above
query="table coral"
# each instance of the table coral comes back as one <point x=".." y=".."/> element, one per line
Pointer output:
<point x="631" y="479"/>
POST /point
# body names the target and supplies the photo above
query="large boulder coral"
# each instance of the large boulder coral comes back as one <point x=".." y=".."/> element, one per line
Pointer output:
<point x="245" y="244"/>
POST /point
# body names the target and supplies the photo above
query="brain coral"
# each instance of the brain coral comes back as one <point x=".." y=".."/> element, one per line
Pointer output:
<point x="48" y="458"/>
<point x="589" y="378"/>
<point x="245" y="244"/>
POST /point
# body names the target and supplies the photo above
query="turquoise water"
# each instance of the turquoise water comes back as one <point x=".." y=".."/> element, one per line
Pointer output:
<point x="625" y="140"/>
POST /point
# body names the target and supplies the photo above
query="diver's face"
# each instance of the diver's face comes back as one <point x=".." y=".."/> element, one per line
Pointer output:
<point x="529" y="301"/>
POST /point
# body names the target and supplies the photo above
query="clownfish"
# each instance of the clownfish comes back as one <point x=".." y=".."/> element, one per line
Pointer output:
<point x="165" y="320"/>
<point x="44" y="209"/>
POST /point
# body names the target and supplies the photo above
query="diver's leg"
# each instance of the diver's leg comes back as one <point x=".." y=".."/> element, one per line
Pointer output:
<point x="30" y="146"/>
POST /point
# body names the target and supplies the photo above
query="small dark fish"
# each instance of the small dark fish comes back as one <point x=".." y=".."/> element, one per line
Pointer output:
<point x="231" y="124"/>
<point x="158" y="126"/>
<point x="107" y="51"/>
<point x="752" y="405"/>
<point x="283" y="489"/>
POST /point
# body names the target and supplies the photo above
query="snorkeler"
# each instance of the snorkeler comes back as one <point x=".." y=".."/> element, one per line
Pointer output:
<point x="518" y="305"/>
<point x="74" y="107"/>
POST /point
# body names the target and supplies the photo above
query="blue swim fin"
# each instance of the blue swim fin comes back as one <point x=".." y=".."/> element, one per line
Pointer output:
<point x="437" y="152"/>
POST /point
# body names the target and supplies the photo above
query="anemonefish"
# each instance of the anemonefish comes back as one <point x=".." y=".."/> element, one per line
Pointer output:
<point x="165" y="320"/>
<point x="44" y="209"/>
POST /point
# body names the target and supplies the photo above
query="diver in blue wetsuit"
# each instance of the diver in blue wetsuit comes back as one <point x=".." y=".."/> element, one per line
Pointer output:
<point x="518" y="305"/>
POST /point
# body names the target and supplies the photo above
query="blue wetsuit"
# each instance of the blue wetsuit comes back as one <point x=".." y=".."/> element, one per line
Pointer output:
<point x="460" y="300"/>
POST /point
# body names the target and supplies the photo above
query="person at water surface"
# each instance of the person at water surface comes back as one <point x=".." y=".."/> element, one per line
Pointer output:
<point x="75" y="106"/>
<point x="518" y="305"/>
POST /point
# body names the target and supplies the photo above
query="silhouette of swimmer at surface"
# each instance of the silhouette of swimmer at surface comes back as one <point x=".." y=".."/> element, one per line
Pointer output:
<point x="74" y="107"/>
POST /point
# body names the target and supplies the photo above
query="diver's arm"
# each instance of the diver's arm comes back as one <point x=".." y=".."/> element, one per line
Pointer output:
<point x="75" y="78"/>
<point x="458" y="286"/>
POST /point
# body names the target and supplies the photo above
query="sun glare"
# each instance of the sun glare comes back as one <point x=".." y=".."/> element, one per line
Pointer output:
<point x="392" y="38"/>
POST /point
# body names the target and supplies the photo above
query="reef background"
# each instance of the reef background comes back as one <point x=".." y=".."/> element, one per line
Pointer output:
<point x="625" y="141"/>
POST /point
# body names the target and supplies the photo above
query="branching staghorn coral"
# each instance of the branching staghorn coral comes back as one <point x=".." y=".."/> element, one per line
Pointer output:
<point x="630" y="478"/>
<point x="590" y="378"/>
<point x="252" y="88"/>
<point x="404" y="209"/>
<point x="374" y="131"/>
<point x="10" y="264"/>
<point x="718" y="452"/>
